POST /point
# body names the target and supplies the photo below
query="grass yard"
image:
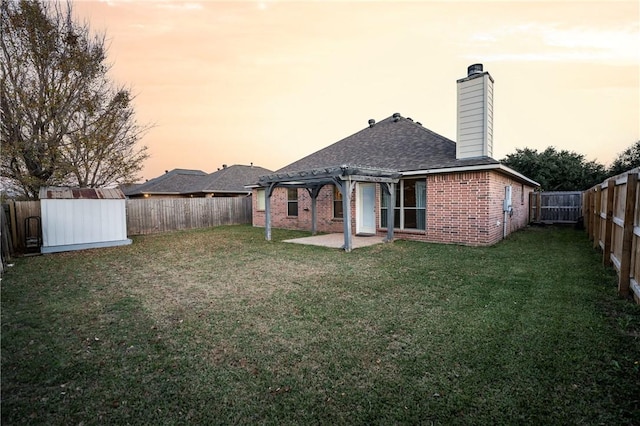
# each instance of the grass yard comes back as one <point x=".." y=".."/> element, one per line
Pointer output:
<point x="219" y="326"/>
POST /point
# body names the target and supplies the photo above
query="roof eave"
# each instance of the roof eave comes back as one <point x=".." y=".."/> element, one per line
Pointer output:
<point x="479" y="167"/>
<point x="227" y="191"/>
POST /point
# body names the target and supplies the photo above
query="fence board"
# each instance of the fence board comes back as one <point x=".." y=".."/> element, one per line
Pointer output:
<point x="618" y="218"/>
<point x="149" y="216"/>
<point x="22" y="210"/>
<point x="556" y="206"/>
<point x="627" y="234"/>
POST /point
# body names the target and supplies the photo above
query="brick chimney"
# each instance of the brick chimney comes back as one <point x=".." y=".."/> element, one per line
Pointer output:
<point x="475" y="114"/>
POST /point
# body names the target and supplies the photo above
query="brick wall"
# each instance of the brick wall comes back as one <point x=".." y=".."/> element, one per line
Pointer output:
<point x="462" y="208"/>
<point x="279" y="218"/>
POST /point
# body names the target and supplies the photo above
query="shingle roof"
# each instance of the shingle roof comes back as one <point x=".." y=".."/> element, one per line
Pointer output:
<point x="177" y="181"/>
<point x="395" y="143"/>
<point x="230" y="179"/>
<point x="129" y="188"/>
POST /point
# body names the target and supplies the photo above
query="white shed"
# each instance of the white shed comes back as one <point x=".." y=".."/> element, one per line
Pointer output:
<point x="82" y="218"/>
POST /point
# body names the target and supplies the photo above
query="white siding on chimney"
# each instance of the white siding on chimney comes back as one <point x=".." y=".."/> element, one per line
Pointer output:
<point x="475" y="117"/>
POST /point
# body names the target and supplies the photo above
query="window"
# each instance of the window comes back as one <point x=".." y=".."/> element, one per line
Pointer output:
<point x="292" y="202"/>
<point x="260" y="199"/>
<point x="410" y="208"/>
<point x="337" y="203"/>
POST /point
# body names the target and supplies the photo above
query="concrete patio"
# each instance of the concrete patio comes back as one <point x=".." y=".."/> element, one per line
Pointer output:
<point x="337" y="240"/>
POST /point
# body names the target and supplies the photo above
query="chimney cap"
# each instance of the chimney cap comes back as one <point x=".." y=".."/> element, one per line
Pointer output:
<point x="474" y="69"/>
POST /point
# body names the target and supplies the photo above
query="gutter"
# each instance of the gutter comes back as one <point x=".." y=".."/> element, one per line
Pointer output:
<point x="499" y="167"/>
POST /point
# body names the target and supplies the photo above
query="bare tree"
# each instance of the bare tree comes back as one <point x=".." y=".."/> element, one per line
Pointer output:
<point x="62" y="119"/>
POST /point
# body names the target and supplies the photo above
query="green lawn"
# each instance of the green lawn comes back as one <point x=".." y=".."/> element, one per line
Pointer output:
<point x="219" y="326"/>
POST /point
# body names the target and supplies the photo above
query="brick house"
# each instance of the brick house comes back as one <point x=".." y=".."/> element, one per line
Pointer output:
<point x="442" y="191"/>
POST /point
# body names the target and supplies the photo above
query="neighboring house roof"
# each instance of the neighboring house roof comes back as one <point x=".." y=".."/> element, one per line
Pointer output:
<point x="396" y="143"/>
<point x="183" y="181"/>
<point x="128" y="188"/>
<point x="232" y="179"/>
<point x="177" y="181"/>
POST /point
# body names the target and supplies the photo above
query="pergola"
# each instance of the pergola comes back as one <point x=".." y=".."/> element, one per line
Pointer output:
<point x="345" y="178"/>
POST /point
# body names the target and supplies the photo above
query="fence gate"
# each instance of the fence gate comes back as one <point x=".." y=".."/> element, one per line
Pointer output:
<point x="555" y="207"/>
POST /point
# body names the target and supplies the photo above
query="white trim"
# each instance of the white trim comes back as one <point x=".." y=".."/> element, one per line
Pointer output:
<point x="499" y="167"/>
<point x="635" y="287"/>
<point x="84" y="246"/>
<point x="361" y="214"/>
<point x="615" y="261"/>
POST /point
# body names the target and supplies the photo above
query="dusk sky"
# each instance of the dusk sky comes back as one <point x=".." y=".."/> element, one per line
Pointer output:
<point x="269" y="82"/>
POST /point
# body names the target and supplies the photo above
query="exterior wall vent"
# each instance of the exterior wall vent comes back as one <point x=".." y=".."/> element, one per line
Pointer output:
<point x="475" y="114"/>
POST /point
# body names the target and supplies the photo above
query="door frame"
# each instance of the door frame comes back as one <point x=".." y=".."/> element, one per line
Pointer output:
<point x="365" y="213"/>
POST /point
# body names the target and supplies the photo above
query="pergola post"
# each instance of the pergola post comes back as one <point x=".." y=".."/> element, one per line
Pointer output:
<point x="344" y="177"/>
<point x="346" y="188"/>
<point x="267" y="211"/>
<point x="390" y="195"/>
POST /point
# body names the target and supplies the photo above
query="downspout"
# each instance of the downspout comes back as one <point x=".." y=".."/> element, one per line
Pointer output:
<point x="507" y="209"/>
<point x="504" y="224"/>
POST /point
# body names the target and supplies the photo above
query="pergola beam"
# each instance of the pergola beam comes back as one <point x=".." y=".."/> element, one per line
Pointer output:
<point x="345" y="178"/>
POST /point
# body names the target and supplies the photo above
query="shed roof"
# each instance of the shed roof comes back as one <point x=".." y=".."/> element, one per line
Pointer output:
<point x="67" y="193"/>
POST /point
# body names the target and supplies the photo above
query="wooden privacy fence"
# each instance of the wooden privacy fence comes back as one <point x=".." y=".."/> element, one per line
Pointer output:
<point x="19" y="228"/>
<point x="555" y="206"/>
<point x="145" y="216"/>
<point x="613" y="224"/>
<point x="148" y="216"/>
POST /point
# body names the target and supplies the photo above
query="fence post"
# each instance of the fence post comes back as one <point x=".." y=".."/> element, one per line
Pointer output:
<point x="539" y="206"/>
<point x="590" y="206"/>
<point x="627" y="235"/>
<point x="596" y="215"/>
<point x="14" y="224"/>
<point x="587" y="213"/>
<point x="608" y="226"/>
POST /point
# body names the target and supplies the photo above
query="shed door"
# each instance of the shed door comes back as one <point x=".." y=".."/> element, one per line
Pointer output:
<point x="366" y="209"/>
